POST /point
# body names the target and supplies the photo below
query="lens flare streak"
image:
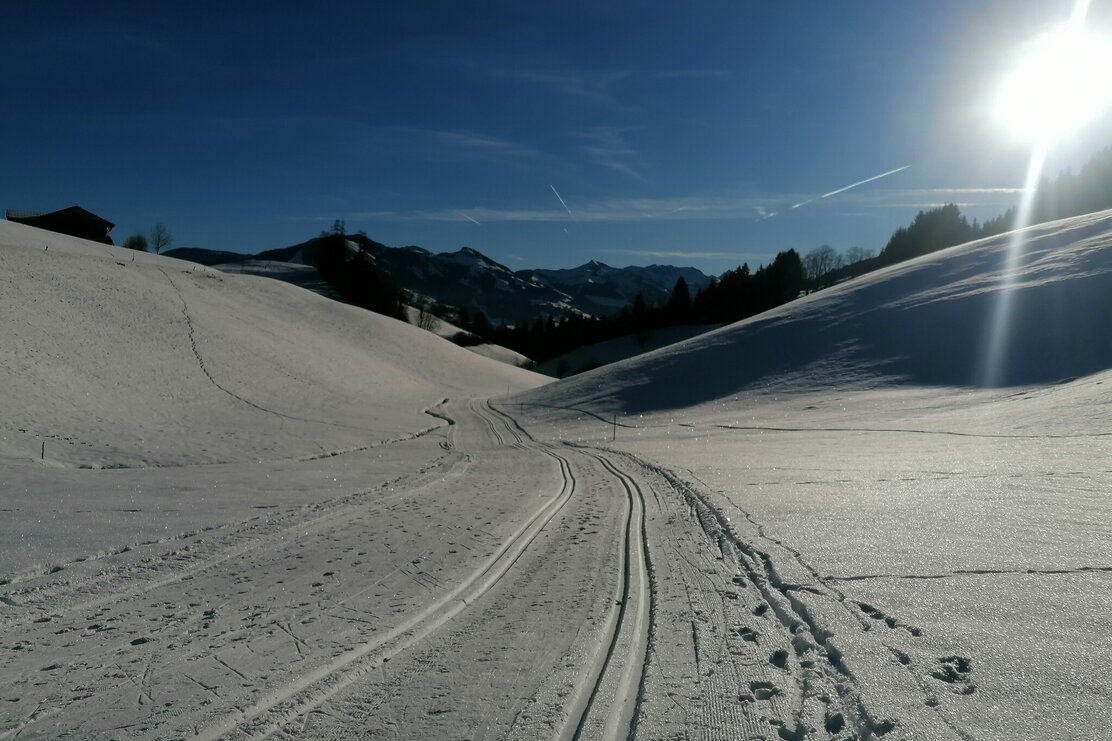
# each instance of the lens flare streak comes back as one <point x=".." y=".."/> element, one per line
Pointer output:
<point x="993" y="371"/>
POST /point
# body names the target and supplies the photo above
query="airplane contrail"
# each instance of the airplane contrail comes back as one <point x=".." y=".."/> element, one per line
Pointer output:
<point x="461" y="213"/>
<point x="862" y="182"/>
<point x="848" y="187"/>
<point x="561" y="200"/>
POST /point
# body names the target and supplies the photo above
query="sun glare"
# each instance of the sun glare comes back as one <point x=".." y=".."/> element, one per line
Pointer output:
<point x="1060" y="83"/>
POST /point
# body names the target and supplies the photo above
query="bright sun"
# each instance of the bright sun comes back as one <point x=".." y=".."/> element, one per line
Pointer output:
<point x="1062" y="81"/>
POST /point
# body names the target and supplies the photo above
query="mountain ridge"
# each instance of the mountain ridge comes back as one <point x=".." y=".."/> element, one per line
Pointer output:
<point x="469" y="279"/>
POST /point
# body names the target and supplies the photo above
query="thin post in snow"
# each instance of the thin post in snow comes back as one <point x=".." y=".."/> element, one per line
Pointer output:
<point x="615" y="438"/>
<point x="42" y="455"/>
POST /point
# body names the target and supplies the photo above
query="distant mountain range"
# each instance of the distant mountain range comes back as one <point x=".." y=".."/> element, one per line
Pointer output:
<point x="468" y="278"/>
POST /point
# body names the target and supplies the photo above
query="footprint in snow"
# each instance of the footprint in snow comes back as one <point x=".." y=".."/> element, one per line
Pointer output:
<point x="955" y="670"/>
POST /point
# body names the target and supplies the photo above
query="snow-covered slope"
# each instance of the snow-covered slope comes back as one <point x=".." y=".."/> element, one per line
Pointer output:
<point x="447" y="330"/>
<point x="620" y="348"/>
<point x="926" y="322"/>
<point x="303" y="276"/>
<point x="119" y="358"/>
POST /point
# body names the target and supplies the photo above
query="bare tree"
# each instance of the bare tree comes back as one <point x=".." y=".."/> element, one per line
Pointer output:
<point x="856" y="258"/>
<point x="426" y="320"/>
<point x="859" y="254"/>
<point x="819" y="263"/>
<point x="160" y="238"/>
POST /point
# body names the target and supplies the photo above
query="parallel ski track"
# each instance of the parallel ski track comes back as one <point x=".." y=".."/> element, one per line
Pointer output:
<point x="631" y="620"/>
<point x="311" y="690"/>
<point x="487" y="411"/>
<point x="481" y="409"/>
<point x="634" y="599"/>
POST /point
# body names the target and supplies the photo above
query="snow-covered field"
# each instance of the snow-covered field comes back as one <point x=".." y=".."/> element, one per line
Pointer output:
<point x="261" y="512"/>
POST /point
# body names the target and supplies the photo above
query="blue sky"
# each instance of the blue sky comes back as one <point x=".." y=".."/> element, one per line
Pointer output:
<point x="670" y="130"/>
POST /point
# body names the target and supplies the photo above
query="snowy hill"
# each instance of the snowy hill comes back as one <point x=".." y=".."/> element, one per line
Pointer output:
<point x="206" y="257"/>
<point x="926" y="322"/>
<point x="301" y="275"/>
<point x="308" y="277"/>
<point x="620" y="348"/>
<point x="123" y="358"/>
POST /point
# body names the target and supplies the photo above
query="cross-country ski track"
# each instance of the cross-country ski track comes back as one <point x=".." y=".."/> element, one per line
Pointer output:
<point x="269" y="669"/>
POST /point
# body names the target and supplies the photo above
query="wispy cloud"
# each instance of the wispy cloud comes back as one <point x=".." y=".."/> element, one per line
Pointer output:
<point x="937" y="197"/>
<point x="922" y="198"/>
<point x="966" y="190"/>
<point x="442" y="143"/>
<point x="928" y="204"/>
<point x="608" y="147"/>
<point x="690" y="74"/>
<point x="600" y="86"/>
<point x="611" y="210"/>
<point x="469" y="143"/>
<point x="688" y="255"/>
<point x="594" y="86"/>
<point x="752" y="208"/>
